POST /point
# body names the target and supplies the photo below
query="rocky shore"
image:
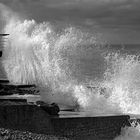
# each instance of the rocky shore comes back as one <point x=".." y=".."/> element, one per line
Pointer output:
<point x="7" y="134"/>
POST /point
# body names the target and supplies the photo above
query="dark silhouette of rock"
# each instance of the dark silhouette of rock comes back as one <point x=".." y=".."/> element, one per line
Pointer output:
<point x="52" y="109"/>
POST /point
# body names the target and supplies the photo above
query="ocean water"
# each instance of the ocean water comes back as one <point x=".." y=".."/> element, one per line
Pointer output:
<point x="73" y="67"/>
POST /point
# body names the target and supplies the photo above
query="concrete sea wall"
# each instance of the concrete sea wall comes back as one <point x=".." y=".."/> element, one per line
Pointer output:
<point x="34" y="119"/>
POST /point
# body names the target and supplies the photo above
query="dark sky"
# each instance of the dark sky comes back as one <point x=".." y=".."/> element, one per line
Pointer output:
<point x="118" y="21"/>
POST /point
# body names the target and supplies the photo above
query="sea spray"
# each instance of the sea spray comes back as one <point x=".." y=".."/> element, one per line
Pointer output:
<point x="54" y="61"/>
<point x="130" y="133"/>
<point x="123" y="81"/>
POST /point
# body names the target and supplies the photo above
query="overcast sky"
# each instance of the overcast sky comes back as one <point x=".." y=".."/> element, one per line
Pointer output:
<point x="118" y="21"/>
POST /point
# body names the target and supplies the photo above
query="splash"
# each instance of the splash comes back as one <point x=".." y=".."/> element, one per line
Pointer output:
<point x="130" y="133"/>
<point x="123" y="81"/>
<point x="50" y="58"/>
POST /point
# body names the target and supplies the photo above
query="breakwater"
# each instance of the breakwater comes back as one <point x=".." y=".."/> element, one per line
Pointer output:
<point x="29" y="117"/>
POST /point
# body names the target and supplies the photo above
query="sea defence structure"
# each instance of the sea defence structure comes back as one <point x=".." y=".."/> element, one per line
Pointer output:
<point x="72" y="125"/>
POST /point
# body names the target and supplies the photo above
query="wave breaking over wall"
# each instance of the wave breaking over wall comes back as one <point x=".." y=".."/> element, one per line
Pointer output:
<point x="38" y="54"/>
<point x="70" y="67"/>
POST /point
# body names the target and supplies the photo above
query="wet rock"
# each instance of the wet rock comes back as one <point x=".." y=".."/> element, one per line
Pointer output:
<point x="52" y="109"/>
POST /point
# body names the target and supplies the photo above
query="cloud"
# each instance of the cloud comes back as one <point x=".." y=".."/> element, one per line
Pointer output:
<point x="105" y="12"/>
<point x="105" y="15"/>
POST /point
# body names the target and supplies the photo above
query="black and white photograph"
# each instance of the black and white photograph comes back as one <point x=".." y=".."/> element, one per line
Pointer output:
<point x="69" y="69"/>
